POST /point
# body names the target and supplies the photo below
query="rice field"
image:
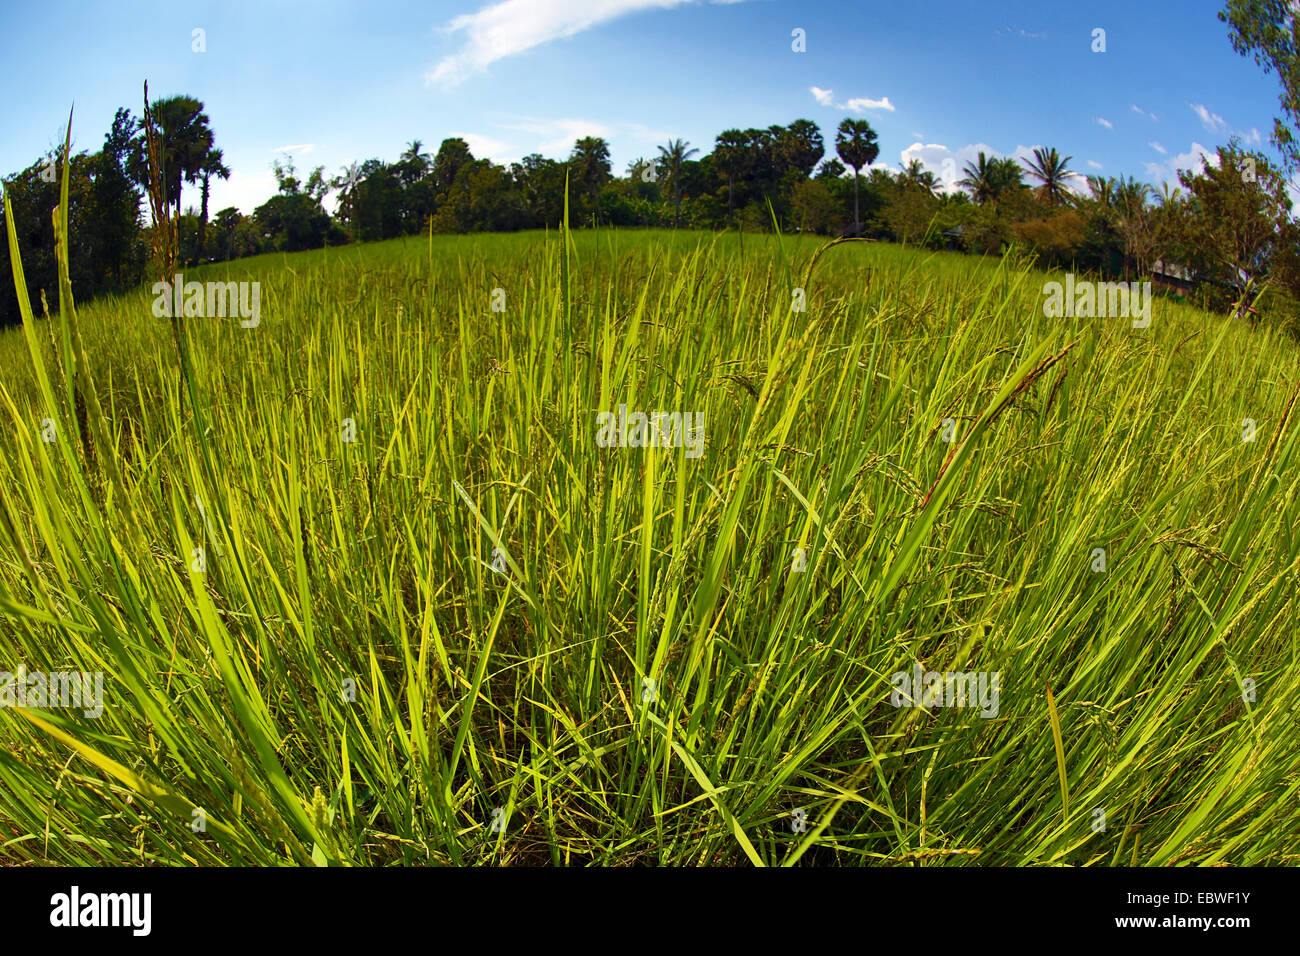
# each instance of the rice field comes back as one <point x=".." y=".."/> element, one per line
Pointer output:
<point x="366" y="585"/>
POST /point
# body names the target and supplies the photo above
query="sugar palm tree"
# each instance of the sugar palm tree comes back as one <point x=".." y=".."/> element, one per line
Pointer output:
<point x="186" y="139"/>
<point x="673" y="155"/>
<point x="1049" y="168"/>
<point x="730" y="153"/>
<point x="212" y="166"/>
<point x="855" y="142"/>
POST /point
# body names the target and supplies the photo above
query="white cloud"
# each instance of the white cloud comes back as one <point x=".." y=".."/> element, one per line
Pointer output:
<point x="644" y="133"/>
<point x="1157" y="147"/>
<point x="558" y="136"/>
<point x="1102" y="121"/>
<point x="486" y="147"/>
<point x="1253" y="137"/>
<point x="858" y="104"/>
<point x="1168" y="171"/>
<point x="513" y="26"/>
<point x="1139" y="110"/>
<point x="1213" y="122"/>
<point x="244" y="191"/>
<point x="1093" y="164"/>
<point x="861" y="104"/>
<point x="299" y="148"/>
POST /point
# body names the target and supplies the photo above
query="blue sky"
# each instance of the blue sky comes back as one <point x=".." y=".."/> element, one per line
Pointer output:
<point x="329" y="83"/>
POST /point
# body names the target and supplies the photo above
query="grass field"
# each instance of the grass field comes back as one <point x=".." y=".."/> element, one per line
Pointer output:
<point x="473" y="635"/>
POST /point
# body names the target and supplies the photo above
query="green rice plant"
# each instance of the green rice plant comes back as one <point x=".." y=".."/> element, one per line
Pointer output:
<point x="366" y="590"/>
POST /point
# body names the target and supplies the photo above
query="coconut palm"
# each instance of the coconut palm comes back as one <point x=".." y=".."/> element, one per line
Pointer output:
<point x="1008" y="176"/>
<point x="980" y="178"/>
<point x="1130" y="194"/>
<point x="855" y="143"/>
<point x="915" y="174"/>
<point x="590" y="163"/>
<point x="673" y="155"/>
<point x="990" y="178"/>
<point x="347" y="183"/>
<point x="413" y="165"/>
<point x="1049" y="168"/>
<point x="1103" y="189"/>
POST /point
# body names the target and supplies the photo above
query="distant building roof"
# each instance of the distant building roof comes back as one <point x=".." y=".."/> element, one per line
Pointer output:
<point x="1173" y="270"/>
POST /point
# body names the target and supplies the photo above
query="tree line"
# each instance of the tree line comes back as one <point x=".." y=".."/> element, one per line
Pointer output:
<point x="1228" y="228"/>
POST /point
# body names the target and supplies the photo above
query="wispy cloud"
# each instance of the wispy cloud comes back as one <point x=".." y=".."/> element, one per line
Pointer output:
<point x="1093" y="164"/>
<point x="1020" y="32"/>
<point x="1102" y="121"/>
<point x="1213" y="122"/>
<point x="1157" y="147"/>
<point x="859" y="104"/>
<point x="559" y="135"/>
<point x="298" y="148"/>
<point x="486" y="147"/>
<point x="513" y="26"/>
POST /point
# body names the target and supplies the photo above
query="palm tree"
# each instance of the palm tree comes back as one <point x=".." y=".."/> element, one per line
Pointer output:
<point x="413" y="164"/>
<point x="1130" y="194"/>
<point x="730" y="153"/>
<point x="1103" y="189"/>
<point x="1048" y="167"/>
<point x="855" y="142"/>
<point x="186" y="140"/>
<point x="590" y="163"/>
<point x="212" y="166"/>
<point x="673" y="155"/>
<point x="989" y="179"/>
<point x="348" y="185"/>
<point x="915" y="174"/>
<point x="981" y="179"/>
<point x="1007" y="176"/>
<point x="800" y="145"/>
